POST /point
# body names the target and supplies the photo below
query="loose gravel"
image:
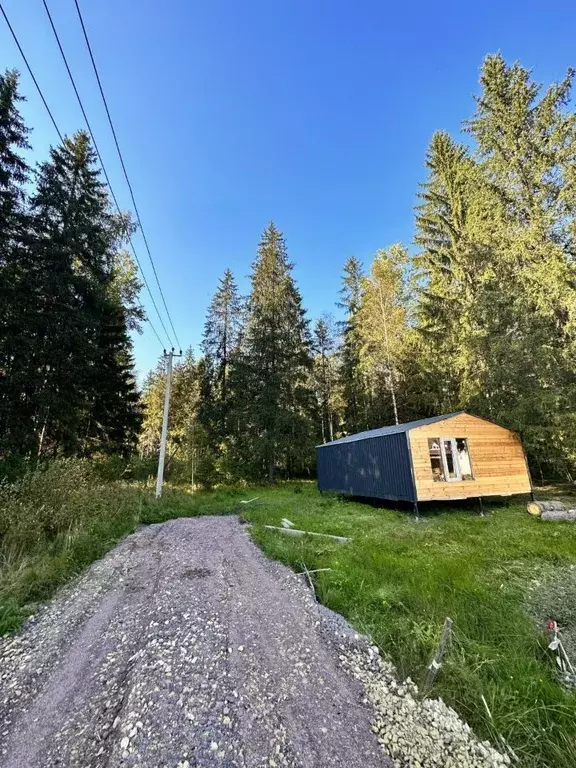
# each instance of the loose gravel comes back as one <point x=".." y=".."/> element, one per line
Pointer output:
<point x="186" y="647"/>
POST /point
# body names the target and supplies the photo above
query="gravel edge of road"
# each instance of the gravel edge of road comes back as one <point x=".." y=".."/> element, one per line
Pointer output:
<point x="412" y="732"/>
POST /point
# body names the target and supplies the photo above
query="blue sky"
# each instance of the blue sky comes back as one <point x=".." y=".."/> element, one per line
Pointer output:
<point x="314" y="113"/>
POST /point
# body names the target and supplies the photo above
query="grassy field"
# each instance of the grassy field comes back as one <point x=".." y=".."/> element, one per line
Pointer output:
<point x="396" y="580"/>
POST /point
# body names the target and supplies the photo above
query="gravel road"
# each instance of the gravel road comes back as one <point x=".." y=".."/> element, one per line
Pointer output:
<point x="183" y="647"/>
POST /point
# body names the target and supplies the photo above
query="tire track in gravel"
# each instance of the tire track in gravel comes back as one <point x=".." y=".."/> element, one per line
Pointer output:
<point x="183" y="647"/>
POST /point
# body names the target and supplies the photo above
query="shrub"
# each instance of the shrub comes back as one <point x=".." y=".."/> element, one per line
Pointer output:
<point x="43" y="503"/>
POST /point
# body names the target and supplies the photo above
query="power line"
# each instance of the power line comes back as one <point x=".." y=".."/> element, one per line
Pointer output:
<point x="30" y="71"/>
<point x="102" y="161"/>
<point x="124" y="166"/>
<point x="62" y="141"/>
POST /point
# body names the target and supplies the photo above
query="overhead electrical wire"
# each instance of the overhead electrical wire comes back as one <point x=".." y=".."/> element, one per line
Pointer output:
<point x="89" y="47"/>
<point x="57" y="129"/>
<point x="86" y="120"/>
<point x="30" y="71"/>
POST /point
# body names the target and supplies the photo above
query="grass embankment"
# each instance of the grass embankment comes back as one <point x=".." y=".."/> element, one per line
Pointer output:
<point x="397" y="581"/>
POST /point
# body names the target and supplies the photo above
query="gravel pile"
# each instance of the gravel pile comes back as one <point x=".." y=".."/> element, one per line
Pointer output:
<point x="414" y="733"/>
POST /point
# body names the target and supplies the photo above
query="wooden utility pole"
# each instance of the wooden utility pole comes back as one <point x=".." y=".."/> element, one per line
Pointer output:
<point x="161" y="458"/>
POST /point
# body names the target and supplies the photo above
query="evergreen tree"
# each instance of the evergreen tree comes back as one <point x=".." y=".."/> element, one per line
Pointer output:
<point x="496" y="229"/>
<point x="190" y="453"/>
<point x="14" y="307"/>
<point x="273" y="370"/>
<point x="325" y="378"/>
<point x="527" y="144"/>
<point x="113" y="414"/>
<point x="77" y="317"/>
<point x="453" y="264"/>
<point x="353" y="383"/>
<point x="14" y="171"/>
<point x="153" y="391"/>
<point x="220" y="347"/>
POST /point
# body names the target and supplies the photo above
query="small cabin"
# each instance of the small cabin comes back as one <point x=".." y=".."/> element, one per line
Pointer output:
<point x="455" y="456"/>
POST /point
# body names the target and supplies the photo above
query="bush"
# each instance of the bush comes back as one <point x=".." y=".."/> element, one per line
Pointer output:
<point x="43" y="503"/>
<point x="54" y="521"/>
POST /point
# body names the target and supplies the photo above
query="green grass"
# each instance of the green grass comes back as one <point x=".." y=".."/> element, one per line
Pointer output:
<point x="57" y="521"/>
<point x="396" y="580"/>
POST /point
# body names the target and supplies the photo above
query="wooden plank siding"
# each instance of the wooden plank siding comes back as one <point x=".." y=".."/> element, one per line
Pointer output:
<point x="496" y="456"/>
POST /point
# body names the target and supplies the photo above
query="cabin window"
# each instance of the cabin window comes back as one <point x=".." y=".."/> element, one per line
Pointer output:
<point x="464" y="459"/>
<point x="436" y="459"/>
<point x="449" y="459"/>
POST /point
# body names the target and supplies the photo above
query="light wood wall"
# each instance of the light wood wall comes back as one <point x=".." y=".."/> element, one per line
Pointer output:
<point x="496" y="456"/>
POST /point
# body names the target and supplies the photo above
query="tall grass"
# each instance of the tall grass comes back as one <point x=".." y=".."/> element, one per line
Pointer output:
<point x="56" y="520"/>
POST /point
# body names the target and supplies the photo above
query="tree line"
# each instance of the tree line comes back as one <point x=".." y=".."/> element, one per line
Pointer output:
<point x="478" y="315"/>
<point x="68" y="300"/>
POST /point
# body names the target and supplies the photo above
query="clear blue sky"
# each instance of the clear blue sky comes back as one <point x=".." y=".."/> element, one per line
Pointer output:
<point x="314" y="113"/>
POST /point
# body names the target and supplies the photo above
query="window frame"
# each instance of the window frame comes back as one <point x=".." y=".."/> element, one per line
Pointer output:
<point x="455" y="463"/>
<point x="455" y="459"/>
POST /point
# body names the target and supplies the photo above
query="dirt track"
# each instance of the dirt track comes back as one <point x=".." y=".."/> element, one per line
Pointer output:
<point x="183" y="647"/>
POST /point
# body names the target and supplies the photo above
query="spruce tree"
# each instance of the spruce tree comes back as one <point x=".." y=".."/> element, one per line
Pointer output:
<point x="495" y="228"/>
<point x="273" y="369"/>
<point x="15" y="306"/>
<point x="526" y="141"/>
<point x="220" y="345"/>
<point x="113" y="410"/>
<point x="325" y="378"/>
<point x="190" y="453"/>
<point x="153" y="391"/>
<point x="80" y="336"/>
<point x="353" y="383"/>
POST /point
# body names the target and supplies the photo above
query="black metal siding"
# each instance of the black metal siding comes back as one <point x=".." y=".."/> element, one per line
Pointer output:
<point x="378" y="468"/>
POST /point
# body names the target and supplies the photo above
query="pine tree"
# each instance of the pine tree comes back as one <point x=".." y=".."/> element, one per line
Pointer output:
<point x="220" y="347"/>
<point x="274" y="366"/>
<point x="15" y="308"/>
<point x="353" y="383"/>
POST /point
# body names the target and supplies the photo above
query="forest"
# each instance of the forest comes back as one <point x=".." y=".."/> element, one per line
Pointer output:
<point x="477" y="313"/>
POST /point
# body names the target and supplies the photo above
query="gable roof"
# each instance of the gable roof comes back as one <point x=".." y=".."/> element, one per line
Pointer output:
<point x="393" y="429"/>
